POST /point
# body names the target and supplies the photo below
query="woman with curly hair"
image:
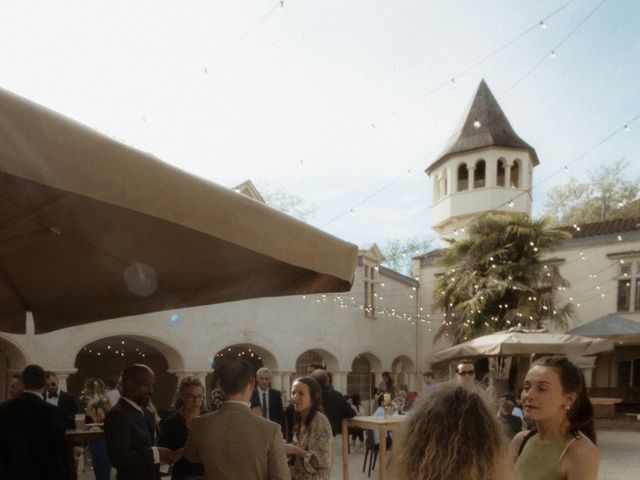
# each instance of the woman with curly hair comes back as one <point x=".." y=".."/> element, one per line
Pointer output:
<point x="563" y="443"/>
<point x="175" y="429"/>
<point x="452" y="433"/>
<point x="312" y="435"/>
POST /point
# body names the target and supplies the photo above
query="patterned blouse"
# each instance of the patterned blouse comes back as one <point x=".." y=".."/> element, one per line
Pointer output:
<point x="316" y="439"/>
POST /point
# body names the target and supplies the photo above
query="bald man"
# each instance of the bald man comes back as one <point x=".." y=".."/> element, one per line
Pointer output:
<point x="129" y="429"/>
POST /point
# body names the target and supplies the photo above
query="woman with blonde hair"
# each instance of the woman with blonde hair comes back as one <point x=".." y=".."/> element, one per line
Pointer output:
<point x="452" y="434"/>
<point x="175" y="429"/>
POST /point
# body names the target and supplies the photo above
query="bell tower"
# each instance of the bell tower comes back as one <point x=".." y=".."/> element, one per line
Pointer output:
<point x="485" y="167"/>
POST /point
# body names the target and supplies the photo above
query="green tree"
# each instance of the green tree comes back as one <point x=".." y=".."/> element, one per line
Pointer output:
<point x="607" y="195"/>
<point x="497" y="278"/>
<point x="288" y="203"/>
<point x="399" y="253"/>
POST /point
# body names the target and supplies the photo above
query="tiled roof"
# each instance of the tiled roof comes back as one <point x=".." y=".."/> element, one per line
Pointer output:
<point x="609" y="227"/>
<point x="494" y="129"/>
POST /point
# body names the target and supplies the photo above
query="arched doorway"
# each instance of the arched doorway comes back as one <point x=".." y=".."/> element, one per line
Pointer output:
<point x="361" y="380"/>
<point x="402" y="372"/>
<point x="307" y="358"/>
<point x="12" y="360"/>
<point x="105" y="358"/>
<point x="257" y="356"/>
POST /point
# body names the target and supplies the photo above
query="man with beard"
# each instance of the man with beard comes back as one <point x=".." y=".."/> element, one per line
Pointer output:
<point x="130" y="431"/>
<point x="65" y="402"/>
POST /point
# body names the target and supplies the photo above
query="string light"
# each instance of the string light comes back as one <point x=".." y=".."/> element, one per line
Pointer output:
<point x="476" y="123"/>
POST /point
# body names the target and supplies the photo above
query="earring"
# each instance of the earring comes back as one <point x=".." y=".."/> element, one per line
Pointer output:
<point x="567" y="407"/>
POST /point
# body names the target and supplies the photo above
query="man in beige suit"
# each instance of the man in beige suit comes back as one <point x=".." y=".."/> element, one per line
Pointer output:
<point x="233" y="443"/>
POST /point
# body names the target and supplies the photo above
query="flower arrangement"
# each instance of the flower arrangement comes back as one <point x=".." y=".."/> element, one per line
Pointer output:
<point x="96" y="402"/>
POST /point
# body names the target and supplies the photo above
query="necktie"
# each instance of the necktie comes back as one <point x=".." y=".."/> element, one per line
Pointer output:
<point x="265" y="414"/>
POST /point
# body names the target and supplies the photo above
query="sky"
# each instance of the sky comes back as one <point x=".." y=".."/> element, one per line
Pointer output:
<point x="342" y="103"/>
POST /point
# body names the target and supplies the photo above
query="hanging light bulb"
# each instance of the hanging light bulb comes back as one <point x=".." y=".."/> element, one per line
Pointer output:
<point x="453" y="83"/>
<point x="352" y="212"/>
<point x="553" y="54"/>
<point x="543" y="26"/>
<point x="511" y="204"/>
<point x="626" y="128"/>
<point x="476" y="123"/>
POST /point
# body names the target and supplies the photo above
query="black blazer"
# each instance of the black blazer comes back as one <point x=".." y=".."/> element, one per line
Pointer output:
<point x="32" y="441"/>
<point x="275" y="413"/>
<point x="130" y="435"/>
<point x="68" y="408"/>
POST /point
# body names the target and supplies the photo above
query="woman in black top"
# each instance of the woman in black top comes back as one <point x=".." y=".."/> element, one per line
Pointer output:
<point x="174" y="430"/>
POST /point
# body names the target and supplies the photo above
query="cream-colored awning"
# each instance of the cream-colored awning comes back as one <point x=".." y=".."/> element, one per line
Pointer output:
<point x="517" y="341"/>
<point x="91" y="229"/>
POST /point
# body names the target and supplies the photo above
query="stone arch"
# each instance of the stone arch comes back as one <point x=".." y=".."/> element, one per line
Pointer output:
<point x="255" y="354"/>
<point x="480" y="174"/>
<point x="362" y="377"/>
<point x="515" y="180"/>
<point x="106" y="356"/>
<point x="402" y="372"/>
<point x="313" y="355"/>
<point x="462" y="177"/>
<point x="501" y="169"/>
<point x="12" y="360"/>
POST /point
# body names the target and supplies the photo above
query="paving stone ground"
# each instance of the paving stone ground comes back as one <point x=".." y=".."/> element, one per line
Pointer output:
<point x="619" y="453"/>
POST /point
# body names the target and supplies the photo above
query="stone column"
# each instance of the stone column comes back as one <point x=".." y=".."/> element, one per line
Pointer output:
<point x="450" y="181"/>
<point x="472" y="174"/>
<point x="285" y="384"/>
<point x="340" y="381"/>
<point x="507" y="173"/>
<point x="62" y="375"/>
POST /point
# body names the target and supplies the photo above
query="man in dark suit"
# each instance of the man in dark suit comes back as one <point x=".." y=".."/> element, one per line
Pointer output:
<point x="32" y="441"/>
<point x="129" y="429"/>
<point x="65" y="402"/>
<point x="267" y="398"/>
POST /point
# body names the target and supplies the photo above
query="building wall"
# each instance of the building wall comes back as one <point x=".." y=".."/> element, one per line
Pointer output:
<point x="279" y="329"/>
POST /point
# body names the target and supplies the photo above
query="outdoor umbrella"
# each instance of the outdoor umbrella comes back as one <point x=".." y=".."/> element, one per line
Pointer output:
<point x="517" y="341"/>
<point x="91" y="229"/>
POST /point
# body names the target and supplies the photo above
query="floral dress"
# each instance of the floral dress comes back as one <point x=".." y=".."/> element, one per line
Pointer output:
<point x="316" y="440"/>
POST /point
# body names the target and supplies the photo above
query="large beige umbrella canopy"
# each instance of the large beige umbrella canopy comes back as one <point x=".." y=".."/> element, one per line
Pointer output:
<point x="91" y="229"/>
<point x="518" y="341"/>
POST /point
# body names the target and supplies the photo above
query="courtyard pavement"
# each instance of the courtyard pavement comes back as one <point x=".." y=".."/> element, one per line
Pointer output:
<point x="619" y="453"/>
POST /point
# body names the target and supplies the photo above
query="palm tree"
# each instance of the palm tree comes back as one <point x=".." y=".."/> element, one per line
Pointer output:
<point x="497" y="278"/>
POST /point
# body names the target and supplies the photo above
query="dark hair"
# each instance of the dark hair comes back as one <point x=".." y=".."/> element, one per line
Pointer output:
<point x="234" y="375"/>
<point x="465" y="361"/>
<point x="49" y="373"/>
<point x="17" y="376"/>
<point x="316" y="401"/>
<point x="355" y="399"/>
<point x="316" y="366"/>
<point x="580" y="415"/>
<point x="428" y="373"/>
<point x="33" y="377"/>
<point x="321" y="376"/>
<point x="387" y="380"/>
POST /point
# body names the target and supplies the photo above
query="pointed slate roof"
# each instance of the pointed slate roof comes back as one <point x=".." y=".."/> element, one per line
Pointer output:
<point x="494" y="129"/>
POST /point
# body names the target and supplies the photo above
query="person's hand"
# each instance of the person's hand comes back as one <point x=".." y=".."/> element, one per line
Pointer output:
<point x="294" y="450"/>
<point x="167" y="455"/>
<point x="178" y="454"/>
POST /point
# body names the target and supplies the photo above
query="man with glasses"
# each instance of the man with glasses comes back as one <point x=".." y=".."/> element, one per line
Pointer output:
<point x="65" y="402"/>
<point x="466" y="371"/>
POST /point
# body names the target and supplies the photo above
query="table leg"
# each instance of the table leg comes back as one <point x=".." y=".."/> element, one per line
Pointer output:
<point x="382" y="464"/>
<point x="345" y="450"/>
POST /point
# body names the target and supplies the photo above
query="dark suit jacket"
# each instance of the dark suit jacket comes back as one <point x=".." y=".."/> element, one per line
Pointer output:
<point x="335" y="408"/>
<point x="275" y="413"/>
<point x="130" y="435"/>
<point x="32" y="441"/>
<point x="68" y="408"/>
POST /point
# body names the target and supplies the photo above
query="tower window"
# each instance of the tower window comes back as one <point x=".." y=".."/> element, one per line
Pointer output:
<point x="500" y="173"/>
<point x="479" y="174"/>
<point x="515" y="174"/>
<point x="463" y="177"/>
